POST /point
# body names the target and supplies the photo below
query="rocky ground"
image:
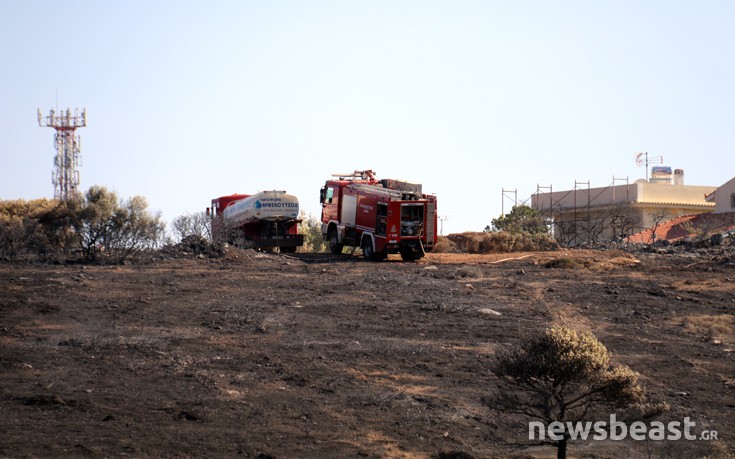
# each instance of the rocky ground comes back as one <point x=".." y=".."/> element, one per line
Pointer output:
<point x="264" y="355"/>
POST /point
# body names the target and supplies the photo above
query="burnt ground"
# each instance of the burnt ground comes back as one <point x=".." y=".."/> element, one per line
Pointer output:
<point x="262" y="355"/>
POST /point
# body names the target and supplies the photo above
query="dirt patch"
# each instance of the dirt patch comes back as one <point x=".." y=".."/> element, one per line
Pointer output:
<point x="263" y="355"/>
<point x="561" y="263"/>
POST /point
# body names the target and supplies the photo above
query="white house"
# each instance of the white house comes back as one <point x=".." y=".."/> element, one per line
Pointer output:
<point x="585" y="215"/>
<point x="724" y="197"/>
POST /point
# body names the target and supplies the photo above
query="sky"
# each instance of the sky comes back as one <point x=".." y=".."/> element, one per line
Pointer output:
<point x="191" y="100"/>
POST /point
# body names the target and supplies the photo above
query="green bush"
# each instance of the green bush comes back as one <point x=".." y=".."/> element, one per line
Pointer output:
<point x="311" y="228"/>
<point x="94" y="227"/>
<point x="109" y="229"/>
<point x="37" y="229"/>
<point x="521" y="219"/>
<point x="564" y="375"/>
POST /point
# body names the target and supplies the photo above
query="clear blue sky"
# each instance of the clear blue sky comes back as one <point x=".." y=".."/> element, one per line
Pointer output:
<point x="187" y="101"/>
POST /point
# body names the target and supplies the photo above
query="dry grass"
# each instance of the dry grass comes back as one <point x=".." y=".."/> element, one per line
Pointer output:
<point x="713" y="327"/>
<point x="444" y="245"/>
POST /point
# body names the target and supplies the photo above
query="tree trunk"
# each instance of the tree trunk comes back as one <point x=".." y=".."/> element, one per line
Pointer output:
<point x="561" y="449"/>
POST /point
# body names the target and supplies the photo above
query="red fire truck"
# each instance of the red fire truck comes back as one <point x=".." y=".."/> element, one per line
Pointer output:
<point x="379" y="216"/>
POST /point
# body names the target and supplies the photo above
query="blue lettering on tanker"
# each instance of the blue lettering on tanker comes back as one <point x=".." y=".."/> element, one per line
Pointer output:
<point x="275" y="203"/>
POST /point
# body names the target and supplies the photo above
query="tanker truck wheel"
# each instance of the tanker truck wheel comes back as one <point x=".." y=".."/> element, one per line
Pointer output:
<point x="334" y="246"/>
<point x="243" y="243"/>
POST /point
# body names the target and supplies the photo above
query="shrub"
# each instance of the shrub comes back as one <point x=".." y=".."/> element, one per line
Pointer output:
<point x="311" y="228"/>
<point x="98" y="225"/>
<point x="38" y="229"/>
<point x="197" y="224"/>
<point x="563" y="375"/>
<point x="521" y="219"/>
<point x="501" y="242"/>
<point x="444" y="245"/>
<point x="109" y="229"/>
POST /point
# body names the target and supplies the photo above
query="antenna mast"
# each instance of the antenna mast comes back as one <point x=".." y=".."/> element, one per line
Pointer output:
<point x="65" y="177"/>
<point x="642" y="158"/>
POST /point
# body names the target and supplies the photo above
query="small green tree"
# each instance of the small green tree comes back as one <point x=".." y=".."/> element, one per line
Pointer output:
<point x="565" y="376"/>
<point x="311" y="228"/>
<point x="113" y="229"/>
<point x="521" y="219"/>
<point x="133" y="229"/>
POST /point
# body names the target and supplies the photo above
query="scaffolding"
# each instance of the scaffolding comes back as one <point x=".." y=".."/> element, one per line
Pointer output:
<point x="574" y="215"/>
<point x="511" y="195"/>
<point x="548" y="216"/>
<point x="65" y="176"/>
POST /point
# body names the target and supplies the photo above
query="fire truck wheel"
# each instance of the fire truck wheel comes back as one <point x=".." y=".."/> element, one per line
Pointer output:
<point x="408" y="254"/>
<point x="367" y="249"/>
<point x="334" y="246"/>
<point x="288" y="249"/>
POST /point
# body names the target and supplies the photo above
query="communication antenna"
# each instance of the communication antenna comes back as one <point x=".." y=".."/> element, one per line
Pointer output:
<point x="65" y="176"/>
<point x="442" y="219"/>
<point x="643" y="159"/>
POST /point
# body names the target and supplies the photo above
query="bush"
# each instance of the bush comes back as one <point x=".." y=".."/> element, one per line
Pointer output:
<point x="564" y="375"/>
<point x="521" y="219"/>
<point x="38" y="229"/>
<point x="311" y="228"/>
<point x="109" y="229"/>
<point x="444" y="245"/>
<point x="96" y="226"/>
<point x="501" y="242"/>
<point x="198" y="224"/>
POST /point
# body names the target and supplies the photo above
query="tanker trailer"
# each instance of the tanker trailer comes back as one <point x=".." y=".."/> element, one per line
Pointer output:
<point x="264" y="220"/>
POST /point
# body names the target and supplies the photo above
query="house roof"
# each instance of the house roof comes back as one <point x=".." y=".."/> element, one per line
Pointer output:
<point x="686" y="226"/>
<point x="713" y="196"/>
<point x="674" y="204"/>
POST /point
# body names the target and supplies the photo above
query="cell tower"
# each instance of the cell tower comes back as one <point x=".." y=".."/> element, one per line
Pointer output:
<point x="65" y="177"/>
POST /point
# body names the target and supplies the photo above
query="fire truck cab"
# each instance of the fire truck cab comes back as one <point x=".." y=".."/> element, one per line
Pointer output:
<point x="378" y="216"/>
